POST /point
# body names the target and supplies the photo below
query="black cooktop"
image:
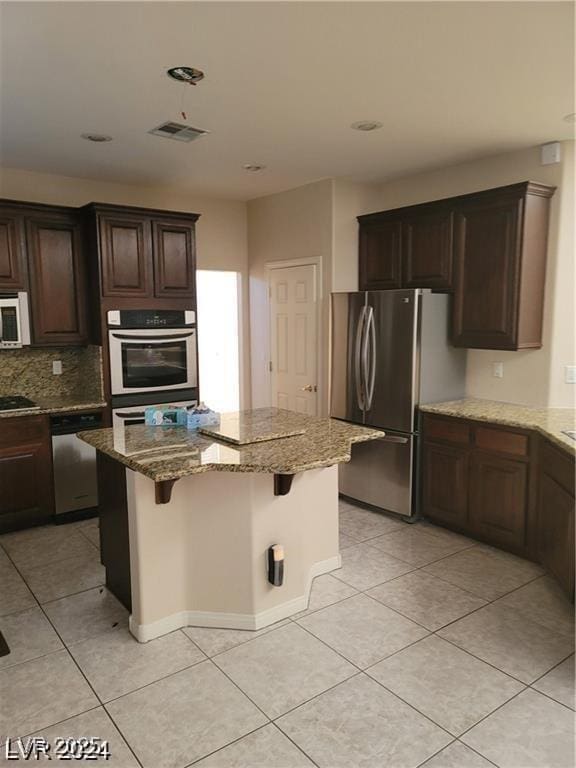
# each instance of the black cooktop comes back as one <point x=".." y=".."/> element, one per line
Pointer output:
<point x="16" y="403"/>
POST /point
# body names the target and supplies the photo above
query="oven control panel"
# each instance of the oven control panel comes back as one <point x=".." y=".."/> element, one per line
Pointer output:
<point x="151" y="318"/>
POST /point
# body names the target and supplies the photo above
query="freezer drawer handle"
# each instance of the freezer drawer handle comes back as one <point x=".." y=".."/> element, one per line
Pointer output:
<point x="394" y="439"/>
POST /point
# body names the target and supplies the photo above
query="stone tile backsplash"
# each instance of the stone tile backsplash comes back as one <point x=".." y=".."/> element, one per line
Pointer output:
<point x="28" y="372"/>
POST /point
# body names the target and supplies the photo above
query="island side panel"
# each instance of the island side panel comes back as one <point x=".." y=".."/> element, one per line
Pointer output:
<point x="305" y="523"/>
<point x="114" y="535"/>
<point x="201" y="559"/>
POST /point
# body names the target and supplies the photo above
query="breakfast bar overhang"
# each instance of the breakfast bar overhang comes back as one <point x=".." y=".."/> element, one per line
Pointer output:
<point x="198" y="514"/>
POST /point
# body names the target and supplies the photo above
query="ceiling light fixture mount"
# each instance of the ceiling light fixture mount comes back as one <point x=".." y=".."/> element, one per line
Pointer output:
<point x="188" y="75"/>
<point x="97" y="138"/>
<point x="253" y="167"/>
<point x="366" y="125"/>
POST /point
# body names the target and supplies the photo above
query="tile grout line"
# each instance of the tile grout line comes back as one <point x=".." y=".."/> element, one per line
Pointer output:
<point x="79" y="669"/>
<point x="365" y="673"/>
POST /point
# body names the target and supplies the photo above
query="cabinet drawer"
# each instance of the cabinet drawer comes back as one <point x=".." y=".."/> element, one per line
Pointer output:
<point x="559" y="465"/>
<point x="447" y="430"/>
<point x="502" y="441"/>
<point x="20" y="430"/>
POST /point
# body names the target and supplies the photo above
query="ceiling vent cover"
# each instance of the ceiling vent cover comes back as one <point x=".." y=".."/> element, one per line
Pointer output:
<point x="177" y="131"/>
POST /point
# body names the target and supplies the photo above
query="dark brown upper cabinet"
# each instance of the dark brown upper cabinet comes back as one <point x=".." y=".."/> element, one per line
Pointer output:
<point x="145" y="253"/>
<point x="12" y="251"/>
<point x="174" y="258"/>
<point x="126" y="256"/>
<point x="57" y="279"/>
<point x="488" y="247"/>
<point x="500" y="267"/>
<point x="380" y="242"/>
<point x="406" y="248"/>
<point x="427" y="249"/>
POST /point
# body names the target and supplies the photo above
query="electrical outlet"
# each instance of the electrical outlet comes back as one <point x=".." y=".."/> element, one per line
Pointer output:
<point x="57" y="367"/>
<point x="498" y="370"/>
<point x="570" y="374"/>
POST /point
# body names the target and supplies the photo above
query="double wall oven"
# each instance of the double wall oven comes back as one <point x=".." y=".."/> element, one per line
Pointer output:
<point x="153" y="360"/>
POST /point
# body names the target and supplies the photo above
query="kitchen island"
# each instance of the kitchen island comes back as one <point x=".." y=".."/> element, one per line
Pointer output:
<point x="187" y="519"/>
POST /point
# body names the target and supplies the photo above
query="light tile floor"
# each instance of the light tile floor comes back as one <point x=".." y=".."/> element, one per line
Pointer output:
<point x="424" y="649"/>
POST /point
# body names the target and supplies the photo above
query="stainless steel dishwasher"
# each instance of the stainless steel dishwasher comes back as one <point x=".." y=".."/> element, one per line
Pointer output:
<point x="75" y="486"/>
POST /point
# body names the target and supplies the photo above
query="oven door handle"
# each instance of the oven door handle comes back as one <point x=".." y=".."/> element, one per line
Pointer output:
<point x="137" y="337"/>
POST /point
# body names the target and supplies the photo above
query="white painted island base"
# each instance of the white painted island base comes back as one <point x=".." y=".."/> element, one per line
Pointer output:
<point x="201" y="559"/>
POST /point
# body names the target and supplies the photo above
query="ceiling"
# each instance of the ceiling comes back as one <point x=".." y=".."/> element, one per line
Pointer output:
<point x="284" y="81"/>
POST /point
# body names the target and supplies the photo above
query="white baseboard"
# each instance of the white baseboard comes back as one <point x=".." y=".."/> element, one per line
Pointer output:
<point x="252" y="621"/>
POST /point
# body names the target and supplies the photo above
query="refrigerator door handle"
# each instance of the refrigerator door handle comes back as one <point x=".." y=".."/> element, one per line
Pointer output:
<point x="394" y="439"/>
<point x="370" y="361"/>
<point x="358" y="372"/>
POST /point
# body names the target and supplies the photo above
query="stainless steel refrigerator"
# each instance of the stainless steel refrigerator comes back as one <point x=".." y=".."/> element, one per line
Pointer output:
<point x="390" y="353"/>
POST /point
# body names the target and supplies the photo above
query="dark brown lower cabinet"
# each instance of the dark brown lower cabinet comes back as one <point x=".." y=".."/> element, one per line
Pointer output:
<point x="506" y="487"/>
<point x="26" y="487"/>
<point x="499" y="499"/>
<point x="556" y="515"/>
<point x="446" y="484"/>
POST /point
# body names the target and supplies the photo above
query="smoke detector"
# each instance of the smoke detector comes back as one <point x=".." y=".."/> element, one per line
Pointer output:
<point x="253" y="167"/>
<point x="177" y="131"/>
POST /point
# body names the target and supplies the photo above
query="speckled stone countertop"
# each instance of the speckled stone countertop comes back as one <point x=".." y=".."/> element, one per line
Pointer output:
<point x="256" y="426"/>
<point x="550" y="422"/>
<point x="49" y="405"/>
<point x="168" y="453"/>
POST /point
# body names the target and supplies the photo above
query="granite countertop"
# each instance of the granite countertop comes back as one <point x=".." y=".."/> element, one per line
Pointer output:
<point x="549" y="422"/>
<point x="256" y="426"/>
<point x="168" y="453"/>
<point x="56" y="404"/>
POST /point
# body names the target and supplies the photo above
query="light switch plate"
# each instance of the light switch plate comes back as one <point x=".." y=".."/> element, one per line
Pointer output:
<point x="498" y="370"/>
<point x="57" y="367"/>
<point x="570" y="374"/>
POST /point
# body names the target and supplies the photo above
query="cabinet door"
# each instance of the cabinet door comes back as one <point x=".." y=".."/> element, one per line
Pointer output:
<point x="486" y="255"/>
<point x="499" y="500"/>
<point x="556" y="532"/>
<point x="12" y="272"/>
<point x="174" y="259"/>
<point x="380" y="253"/>
<point x="57" y="280"/>
<point x="26" y="488"/>
<point x="445" y="484"/>
<point x="427" y="250"/>
<point x="126" y="256"/>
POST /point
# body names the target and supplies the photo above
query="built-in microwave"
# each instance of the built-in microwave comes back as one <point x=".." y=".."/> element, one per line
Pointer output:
<point x="14" y="320"/>
<point x="152" y="351"/>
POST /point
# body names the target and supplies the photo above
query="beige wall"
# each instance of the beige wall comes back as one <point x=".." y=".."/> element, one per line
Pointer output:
<point x="221" y="230"/>
<point x="350" y="200"/>
<point x="534" y="377"/>
<point x="289" y="225"/>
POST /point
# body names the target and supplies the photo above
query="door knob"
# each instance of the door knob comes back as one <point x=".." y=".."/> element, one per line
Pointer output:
<point x="309" y="388"/>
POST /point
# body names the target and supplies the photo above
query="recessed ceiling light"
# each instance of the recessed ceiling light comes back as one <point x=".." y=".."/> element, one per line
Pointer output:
<point x="366" y="125"/>
<point x="98" y="138"/>
<point x="253" y="167"/>
<point x="186" y="74"/>
<point x="571" y="118"/>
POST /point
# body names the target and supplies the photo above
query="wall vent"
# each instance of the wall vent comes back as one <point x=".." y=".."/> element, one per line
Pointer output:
<point x="177" y="131"/>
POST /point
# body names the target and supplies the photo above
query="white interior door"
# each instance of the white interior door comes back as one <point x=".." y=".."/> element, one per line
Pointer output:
<point x="294" y="338"/>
